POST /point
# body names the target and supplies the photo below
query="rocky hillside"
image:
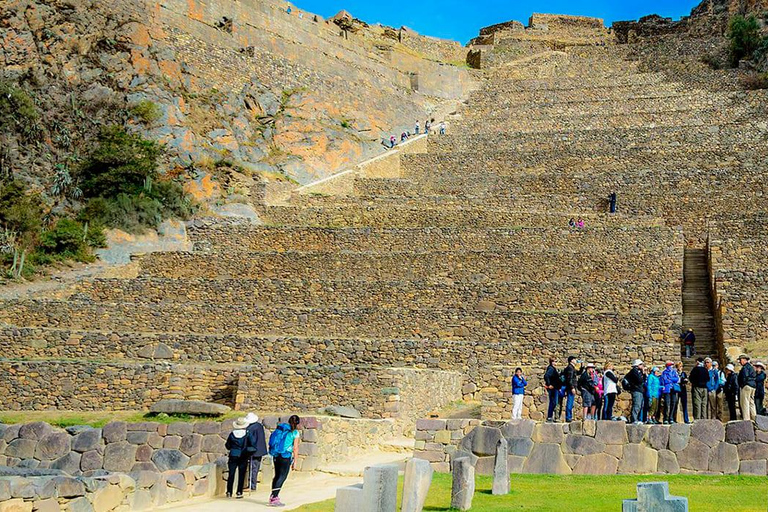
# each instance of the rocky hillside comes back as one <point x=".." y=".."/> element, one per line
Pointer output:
<point x="235" y="90"/>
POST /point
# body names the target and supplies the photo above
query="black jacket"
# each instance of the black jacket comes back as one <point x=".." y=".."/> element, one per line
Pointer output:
<point x="586" y="383"/>
<point x="257" y="445"/>
<point x="570" y="377"/>
<point x="551" y="377"/>
<point x="683" y="381"/>
<point x="747" y="376"/>
<point x="236" y="445"/>
<point x="699" y="377"/>
<point x="636" y="380"/>
<point x="760" y="389"/>
<point x="731" y="385"/>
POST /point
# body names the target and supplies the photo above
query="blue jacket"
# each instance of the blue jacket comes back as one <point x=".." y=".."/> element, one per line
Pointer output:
<point x="670" y="380"/>
<point x="654" y="386"/>
<point x="714" y="380"/>
<point x="518" y="385"/>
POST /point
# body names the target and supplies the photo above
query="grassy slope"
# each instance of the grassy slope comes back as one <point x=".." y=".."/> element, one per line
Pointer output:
<point x="543" y="493"/>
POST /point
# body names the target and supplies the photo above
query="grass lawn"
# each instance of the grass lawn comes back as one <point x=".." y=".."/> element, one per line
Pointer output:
<point x="98" y="419"/>
<point x="594" y="493"/>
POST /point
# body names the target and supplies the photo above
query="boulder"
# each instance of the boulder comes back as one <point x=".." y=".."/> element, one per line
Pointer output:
<point x="582" y="445"/>
<point x="679" y="433"/>
<point x="485" y="440"/>
<point x="69" y="463"/>
<point x="546" y="458"/>
<point x="737" y="432"/>
<point x="611" y="432"/>
<point x="638" y="459"/>
<point x="668" y="462"/>
<point x="724" y="458"/>
<point x="107" y="498"/>
<point x="191" y="444"/>
<point x="596" y="464"/>
<point x="520" y="446"/>
<point x="21" y="448"/>
<point x="119" y="457"/>
<point x="80" y="505"/>
<point x="342" y="411"/>
<point x="695" y="456"/>
<point x="91" y="460"/>
<point x="52" y="446"/>
<point x="87" y="440"/>
<point x="709" y="432"/>
<point x="518" y="428"/>
<point x="636" y="433"/>
<point x="167" y="459"/>
<point x="753" y="467"/>
<point x="36" y="430"/>
<point x="68" y="487"/>
<point x="114" y="432"/>
<point x="658" y="437"/>
<point x="753" y="451"/>
<point x="191" y="407"/>
<point x="548" y="433"/>
<point x="761" y="422"/>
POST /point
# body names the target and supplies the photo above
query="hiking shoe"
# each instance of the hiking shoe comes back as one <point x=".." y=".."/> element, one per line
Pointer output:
<point x="275" y="502"/>
<point x="239" y="496"/>
<point x="229" y="495"/>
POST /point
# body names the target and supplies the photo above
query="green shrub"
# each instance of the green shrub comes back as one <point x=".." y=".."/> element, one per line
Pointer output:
<point x="18" y="113"/>
<point x="70" y="240"/>
<point x="148" y="111"/>
<point x="754" y="81"/>
<point x="21" y="220"/>
<point x="712" y="60"/>
<point x="120" y="164"/>
<point x="744" y="36"/>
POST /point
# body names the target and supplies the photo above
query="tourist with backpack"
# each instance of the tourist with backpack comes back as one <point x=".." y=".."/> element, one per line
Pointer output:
<point x="670" y="389"/>
<point x="611" y="391"/>
<point x="588" y="392"/>
<point x="237" y="444"/>
<point x="283" y="447"/>
<point x="570" y="381"/>
<point x="682" y="394"/>
<point x="257" y="446"/>
<point x="634" y="382"/>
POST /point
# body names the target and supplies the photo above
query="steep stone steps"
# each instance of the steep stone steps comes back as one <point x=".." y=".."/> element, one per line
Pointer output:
<point x="500" y="84"/>
<point x="387" y="240"/>
<point x="697" y="301"/>
<point x="524" y="327"/>
<point x="484" y="100"/>
<point x="464" y="266"/>
<point x="577" y="294"/>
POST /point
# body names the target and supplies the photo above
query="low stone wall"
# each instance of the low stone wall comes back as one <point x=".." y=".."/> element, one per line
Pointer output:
<point x="415" y="393"/>
<point x="601" y="448"/>
<point x="141" y="490"/>
<point x="132" y="447"/>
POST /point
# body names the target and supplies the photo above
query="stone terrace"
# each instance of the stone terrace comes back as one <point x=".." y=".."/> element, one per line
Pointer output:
<point x="461" y="262"/>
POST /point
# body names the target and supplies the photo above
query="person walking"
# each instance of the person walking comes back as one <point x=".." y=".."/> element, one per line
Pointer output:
<point x="597" y="380"/>
<point x="570" y="378"/>
<point x="670" y="389"/>
<point x="688" y="339"/>
<point x="257" y="446"/>
<point x="442" y="127"/>
<point x="682" y="396"/>
<point x="236" y="444"/>
<point x="588" y="392"/>
<point x="552" y="383"/>
<point x="417" y="127"/>
<point x="731" y="391"/>
<point x="610" y="391"/>
<point x="654" y="394"/>
<point x="283" y="447"/>
<point x="747" y="383"/>
<point x="634" y="382"/>
<point x="759" y="388"/>
<point x="518" y="392"/>
<point x="699" y="379"/>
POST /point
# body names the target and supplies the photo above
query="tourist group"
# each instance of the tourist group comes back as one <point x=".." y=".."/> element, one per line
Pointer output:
<point x="657" y="393"/>
<point x="247" y="446"/>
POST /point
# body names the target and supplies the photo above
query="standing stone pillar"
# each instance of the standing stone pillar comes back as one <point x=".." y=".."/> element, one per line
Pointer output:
<point x="377" y="493"/>
<point x="418" y="478"/>
<point x="463" y="489"/>
<point x="501" y="469"/>
<point x="654" y="496"/>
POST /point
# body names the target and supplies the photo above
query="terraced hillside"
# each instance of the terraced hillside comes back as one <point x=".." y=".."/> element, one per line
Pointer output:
<point x="463" y="267"/>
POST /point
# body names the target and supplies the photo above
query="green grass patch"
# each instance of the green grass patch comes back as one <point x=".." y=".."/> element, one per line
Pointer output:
<point x="100" y="418"/>
<point x="552" y="493"/>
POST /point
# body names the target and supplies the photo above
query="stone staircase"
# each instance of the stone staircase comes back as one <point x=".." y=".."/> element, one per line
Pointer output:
<point x="464" y="262"/>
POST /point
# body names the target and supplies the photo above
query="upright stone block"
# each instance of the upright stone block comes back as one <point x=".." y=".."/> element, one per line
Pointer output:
<point x="654" y="497"/>
<point x="501" y="469"/>
<point x="377" y="493"/>
<point x="418" y="478"/>
<point x="463" y="488"/>
<point x="349" y="498"/>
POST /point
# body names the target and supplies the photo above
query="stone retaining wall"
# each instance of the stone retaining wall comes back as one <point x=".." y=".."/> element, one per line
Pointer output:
<point x="603" y="447"/>
<point x="132" y="447"/>
<point x="141" y="490"/>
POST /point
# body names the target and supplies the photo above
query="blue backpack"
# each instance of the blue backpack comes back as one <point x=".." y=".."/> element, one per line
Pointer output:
<point x="277" y="440"/>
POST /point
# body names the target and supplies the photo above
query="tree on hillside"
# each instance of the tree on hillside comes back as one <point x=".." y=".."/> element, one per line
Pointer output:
<point x="744" y="34"/>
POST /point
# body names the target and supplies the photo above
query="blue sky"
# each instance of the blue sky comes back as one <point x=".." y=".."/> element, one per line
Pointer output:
<point x="461" y="19"/>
